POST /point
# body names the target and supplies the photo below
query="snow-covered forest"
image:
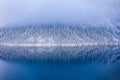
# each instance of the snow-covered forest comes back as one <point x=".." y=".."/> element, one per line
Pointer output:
<point x="60" y="34"/>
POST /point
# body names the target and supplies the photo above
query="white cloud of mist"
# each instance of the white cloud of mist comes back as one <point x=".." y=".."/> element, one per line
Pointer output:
<point x="92" y="12"/>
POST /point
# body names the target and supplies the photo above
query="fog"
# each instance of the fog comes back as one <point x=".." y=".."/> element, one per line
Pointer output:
<point x="88" y="12"/>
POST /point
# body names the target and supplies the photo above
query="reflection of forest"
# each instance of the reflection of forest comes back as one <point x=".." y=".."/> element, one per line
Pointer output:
<point x="99" y="54"/>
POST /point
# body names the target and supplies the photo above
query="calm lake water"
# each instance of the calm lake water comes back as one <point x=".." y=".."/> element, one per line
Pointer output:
<point x="60" y="63"/>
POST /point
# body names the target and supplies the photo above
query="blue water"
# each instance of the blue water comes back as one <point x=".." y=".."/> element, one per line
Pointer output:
<point x="60" y="63"/>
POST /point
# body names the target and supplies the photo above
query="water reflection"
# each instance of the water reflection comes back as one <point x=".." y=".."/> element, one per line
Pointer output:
<point x="56" y="63"/>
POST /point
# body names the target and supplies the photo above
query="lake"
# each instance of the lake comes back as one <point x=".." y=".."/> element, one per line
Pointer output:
<point x="60" y="63"/>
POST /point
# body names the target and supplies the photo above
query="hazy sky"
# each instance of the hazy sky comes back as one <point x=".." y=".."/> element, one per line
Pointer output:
<point x="92" y="12"/>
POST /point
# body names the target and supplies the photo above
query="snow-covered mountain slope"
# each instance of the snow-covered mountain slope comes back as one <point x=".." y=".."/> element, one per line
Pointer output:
<point x="60" y="34"/>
